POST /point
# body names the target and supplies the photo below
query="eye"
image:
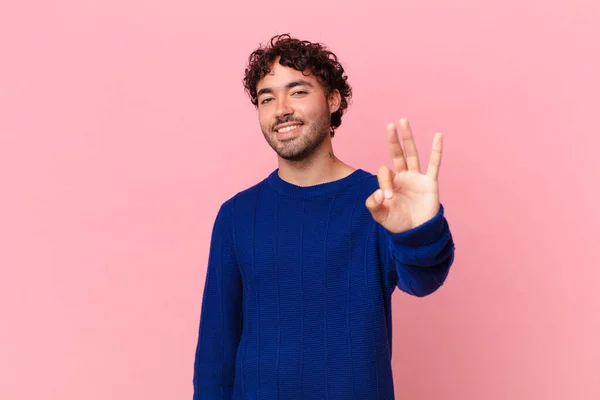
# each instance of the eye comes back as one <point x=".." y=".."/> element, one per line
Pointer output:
<point x="264" y="101"/>
<point x="301" y="92"/>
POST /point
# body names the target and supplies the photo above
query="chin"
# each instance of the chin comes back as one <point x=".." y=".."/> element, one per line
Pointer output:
<point x="293" y="157"/>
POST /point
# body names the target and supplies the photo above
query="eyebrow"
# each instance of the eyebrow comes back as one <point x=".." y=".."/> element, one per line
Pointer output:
<point x="290" y="85"/>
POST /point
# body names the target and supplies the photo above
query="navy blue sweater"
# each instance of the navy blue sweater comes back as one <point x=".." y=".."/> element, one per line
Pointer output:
<point x="297" y="299"/>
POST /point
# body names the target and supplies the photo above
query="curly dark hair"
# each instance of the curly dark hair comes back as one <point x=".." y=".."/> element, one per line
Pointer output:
<point x="301" y="55"/>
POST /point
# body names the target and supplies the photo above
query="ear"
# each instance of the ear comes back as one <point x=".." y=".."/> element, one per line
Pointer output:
<point x="335" y="100"/>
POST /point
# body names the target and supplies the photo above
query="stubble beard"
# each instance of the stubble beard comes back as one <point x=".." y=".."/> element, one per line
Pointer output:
<point x="299" y="148"/>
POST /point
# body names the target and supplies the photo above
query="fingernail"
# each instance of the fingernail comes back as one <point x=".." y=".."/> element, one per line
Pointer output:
<point x="378" y="196"/>
<point x="388" y="194"/>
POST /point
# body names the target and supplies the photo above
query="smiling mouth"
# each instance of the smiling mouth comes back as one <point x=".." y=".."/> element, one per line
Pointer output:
<point x="289" y="128"/>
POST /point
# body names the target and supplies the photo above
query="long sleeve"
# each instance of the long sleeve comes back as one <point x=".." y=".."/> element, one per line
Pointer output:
<point x="418" y="261"/>
<point x="221" y="317"/>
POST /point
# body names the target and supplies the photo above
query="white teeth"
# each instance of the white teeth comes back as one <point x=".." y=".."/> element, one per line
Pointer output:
<point x="288" y="128"/>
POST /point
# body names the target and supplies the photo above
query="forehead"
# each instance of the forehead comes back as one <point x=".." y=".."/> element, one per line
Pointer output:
<point x="280" y="75"/>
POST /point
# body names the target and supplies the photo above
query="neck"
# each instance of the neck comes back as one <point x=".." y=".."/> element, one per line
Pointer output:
<point x="320" y="167"/>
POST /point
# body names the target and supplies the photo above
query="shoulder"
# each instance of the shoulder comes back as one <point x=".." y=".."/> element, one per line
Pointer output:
<point x="367" y="184"/>
<point x="242" y="198"/>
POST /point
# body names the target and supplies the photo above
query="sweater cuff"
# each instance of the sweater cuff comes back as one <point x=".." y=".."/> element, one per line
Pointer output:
<point x="423" y="244"/>
<point x="426" y="233"/>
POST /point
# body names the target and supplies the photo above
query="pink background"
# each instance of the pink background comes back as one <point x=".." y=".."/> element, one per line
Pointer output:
<point x="123" y="126"/>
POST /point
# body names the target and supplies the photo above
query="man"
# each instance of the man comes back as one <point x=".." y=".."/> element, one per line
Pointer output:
<point x="302" y="266"/>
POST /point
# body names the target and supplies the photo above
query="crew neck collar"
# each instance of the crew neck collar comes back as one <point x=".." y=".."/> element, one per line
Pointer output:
<point x="321" y="189"/>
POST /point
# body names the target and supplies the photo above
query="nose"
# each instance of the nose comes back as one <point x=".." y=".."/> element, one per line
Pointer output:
<point x="283" y="108"/>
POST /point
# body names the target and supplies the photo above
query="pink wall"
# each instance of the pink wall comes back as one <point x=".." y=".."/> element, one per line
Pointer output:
<point x="123" y="126"/>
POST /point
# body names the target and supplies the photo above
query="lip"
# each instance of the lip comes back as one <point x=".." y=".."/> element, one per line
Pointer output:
<point x="284" y="135"/>
<point x="278" y="127"/>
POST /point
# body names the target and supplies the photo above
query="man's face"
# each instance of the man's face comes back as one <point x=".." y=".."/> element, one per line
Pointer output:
<point x="293" y="112"/>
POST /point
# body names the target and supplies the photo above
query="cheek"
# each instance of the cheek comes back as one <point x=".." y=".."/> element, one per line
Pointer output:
<point x="263" y="120"/>
<point x="311" y="110"/>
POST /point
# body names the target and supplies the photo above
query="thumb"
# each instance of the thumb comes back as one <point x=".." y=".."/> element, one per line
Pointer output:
<point x="375" y="202"/>
<point x="375" y="205"/>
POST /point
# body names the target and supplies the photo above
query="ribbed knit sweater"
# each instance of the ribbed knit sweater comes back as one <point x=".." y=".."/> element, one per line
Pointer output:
<point x="297" y="298"/>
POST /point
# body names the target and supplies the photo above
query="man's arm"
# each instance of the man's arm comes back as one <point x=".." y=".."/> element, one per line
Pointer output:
<point x="220" y="319"/>
<point x="417" y="245"/>
<point x="417" y="261"/>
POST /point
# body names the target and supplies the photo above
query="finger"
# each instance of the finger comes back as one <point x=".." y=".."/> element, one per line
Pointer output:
<point x="376" y="202"/>
<point x="396" y="151"/>
<point x="375" y="205"/>
<point x="385" y="177"/>
<point x="433" y="170"/>
<point x="410" y="149"/>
